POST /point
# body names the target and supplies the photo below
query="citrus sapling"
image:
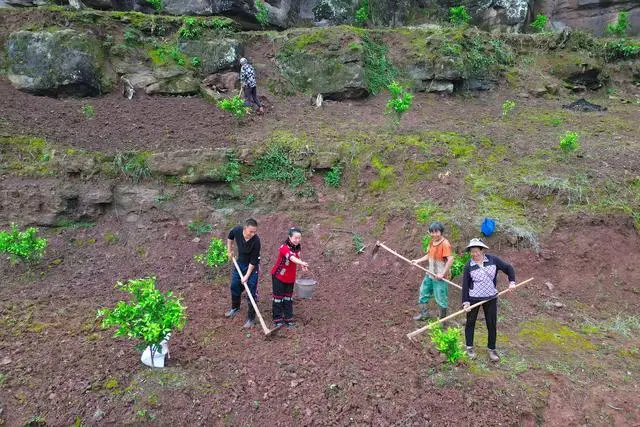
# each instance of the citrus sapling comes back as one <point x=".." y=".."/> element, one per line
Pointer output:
<point x="569" y="142"/>
<point x="448" y="342"/>
<point x="507" y="106"/>
<point x="22" y="246"/>
<point x="399" y="103"/>
<point x="216" y="254"/>
<point x="235" y="106"/>
<point x="150" y="317"/>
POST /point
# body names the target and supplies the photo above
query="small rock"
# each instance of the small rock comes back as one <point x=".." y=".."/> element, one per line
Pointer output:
<point x="52" y="396"/>
<point x="538" y="92"/>
<point x="295" y="383"/>
<point x="5" y="360"/>
<point x="549" y="285"/>
<point x="558" y="304"/>
<point x="196" y="240"/>
<point x="99" y="414"/>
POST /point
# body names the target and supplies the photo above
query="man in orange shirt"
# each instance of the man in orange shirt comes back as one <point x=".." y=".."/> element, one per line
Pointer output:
<point x="440" y="258"/>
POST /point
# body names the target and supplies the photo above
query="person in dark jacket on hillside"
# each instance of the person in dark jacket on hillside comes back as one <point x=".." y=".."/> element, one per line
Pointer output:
<point x="479" y="284"/>
<point x="283" y="275"/>
<point x="248" y="243"/>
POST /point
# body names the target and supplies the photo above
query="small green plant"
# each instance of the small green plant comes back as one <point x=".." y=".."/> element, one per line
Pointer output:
<point x="235" y="106"/>
<point x="156" y="4"/>
<point x="263" y="13"/>
<point x="427" y="211"/>
<point x="569" y="142"/>
<point x="358" y="243"/>
<point x="250" y="199"/>
<point x="190" y="29"/>
<point x="196" y="62"/>
<point x="333" y="178"/>
<point x="133" y="164"/>
<point x="448" y="342"/>
<point x="23" y="246"/>
<point x="132" y="36"/>
<point x="621" y="26"/>
<point x="73" y="224"/>
<point x="231" y="170"/>
<point x="362" y="13"/>
<point x="88" y="111"/>
<point x="216" y="254"/>
<point x="399" y="103"/>
<point x="424" y="243"/>
<point x="539" y="23"/>
<point x="276" y="165"/>
<point x="198" y="227"/>
<point x="218" y="24"/>
<point x="458" y="264"/>
<point x="459" y="15"/>
<point x="150" y="317"/>
<point x="507" y="106"/>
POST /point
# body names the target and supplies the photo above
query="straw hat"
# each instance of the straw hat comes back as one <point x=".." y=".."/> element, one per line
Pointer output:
<point x="476" y="243"/>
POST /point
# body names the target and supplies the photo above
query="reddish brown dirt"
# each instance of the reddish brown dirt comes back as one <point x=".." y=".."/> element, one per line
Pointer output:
<point x="348" y="362"/>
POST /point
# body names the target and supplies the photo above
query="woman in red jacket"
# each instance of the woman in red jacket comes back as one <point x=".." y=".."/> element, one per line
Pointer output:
<point x="283" y="275"/>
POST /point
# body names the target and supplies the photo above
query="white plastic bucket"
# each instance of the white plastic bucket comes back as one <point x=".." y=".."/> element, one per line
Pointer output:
<point x="306" y="287"/>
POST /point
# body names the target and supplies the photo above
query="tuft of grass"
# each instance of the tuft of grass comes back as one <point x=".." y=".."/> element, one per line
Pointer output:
<point x="507" y="106"/>
<point x="386" y="175"/>
<point x="88" y="111"/>
<point x="458" y="15"/>
<point x="358" y="243"/>
<point x="276" y="165"/>
<point x="428" y="211"/>
<point x="73" y="224"/>
<point x="133" y="164"/>
<point x="199" y="227"/>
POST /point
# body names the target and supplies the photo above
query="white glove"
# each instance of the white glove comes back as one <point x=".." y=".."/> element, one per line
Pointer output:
<point x="466" y="305"/>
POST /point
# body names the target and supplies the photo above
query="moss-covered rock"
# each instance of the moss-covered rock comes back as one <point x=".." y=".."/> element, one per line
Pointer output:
<point x="63" y="62"/>
<point x="173" y="81"/>
<point x="214" y="55"/>
<point x="576" y="68"/>
<point x="326" y="61"/>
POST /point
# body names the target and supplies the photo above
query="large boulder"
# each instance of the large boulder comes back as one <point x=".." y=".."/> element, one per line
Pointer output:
<point x="64" y="62"/>
<point x="172" y="81"/>
<point x="591" y="15"/>
<point x="325" y="61"/>
<point x="505" y="15"/>
<point x="215" y="55"/>
<point x="192" y="166"/>
<point x="436" y="75"/>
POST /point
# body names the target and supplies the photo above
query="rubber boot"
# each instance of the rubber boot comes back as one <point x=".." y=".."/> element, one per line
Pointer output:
<point x="422" y="314"/>
<point x="443" y="314"/>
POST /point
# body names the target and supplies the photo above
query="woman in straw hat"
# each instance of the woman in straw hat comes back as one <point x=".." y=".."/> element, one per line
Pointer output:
<point x="479" y="284"/>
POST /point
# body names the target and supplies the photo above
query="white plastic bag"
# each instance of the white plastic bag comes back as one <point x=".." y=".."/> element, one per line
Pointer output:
<point x="158" y="355"/>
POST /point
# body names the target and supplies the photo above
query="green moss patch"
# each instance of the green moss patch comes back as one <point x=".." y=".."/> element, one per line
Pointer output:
<point x="546" y="333"/>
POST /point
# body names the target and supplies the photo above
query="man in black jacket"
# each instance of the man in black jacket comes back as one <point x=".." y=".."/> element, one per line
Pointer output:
<point x="248" y="244"/>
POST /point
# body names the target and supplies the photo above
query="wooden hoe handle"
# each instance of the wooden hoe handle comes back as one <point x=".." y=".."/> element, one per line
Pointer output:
<point x="253" y="302"/>
<point x="429" y="272"/>
<point x="457" y="313"/>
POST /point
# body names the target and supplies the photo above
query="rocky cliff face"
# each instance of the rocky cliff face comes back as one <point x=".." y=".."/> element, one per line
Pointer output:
<point x="590" y="15"/>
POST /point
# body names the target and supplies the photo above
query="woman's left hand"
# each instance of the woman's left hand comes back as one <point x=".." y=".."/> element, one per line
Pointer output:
<point x="512" y="285"/>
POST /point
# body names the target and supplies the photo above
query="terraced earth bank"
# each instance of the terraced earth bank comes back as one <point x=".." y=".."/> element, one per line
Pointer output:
<point x="568" y="340"/>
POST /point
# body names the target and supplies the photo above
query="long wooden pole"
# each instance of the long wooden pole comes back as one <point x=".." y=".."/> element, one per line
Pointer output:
<point x="457" y="313"/>
<point x="429" y="272"/>
<point x="253" y="302"/>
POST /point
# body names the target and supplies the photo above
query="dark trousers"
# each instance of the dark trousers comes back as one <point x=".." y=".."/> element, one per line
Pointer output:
<point x="282" y="308"/>
<point x="251" y="95"/>
<point x="237" y="288"/>
<point x="491" y="317"/>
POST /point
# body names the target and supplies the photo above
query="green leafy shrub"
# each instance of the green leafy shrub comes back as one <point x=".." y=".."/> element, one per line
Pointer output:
<point x="539" y="23"/>
<point x="231" y="170"/>
<point x="133" y="164"/>
<point x="621" y="26"/>
<point x="459" y="15"/>
<point x="235" y="106"/>
<point x="156" y="4"/>
<point x="196" y="62"/>
<point x="507" y="106"/>
<point x="216" y="254"/>
<point x="621" y="49"/>
<point x="149" y="317"/>
<point x="198" y="227"/>
<point x="569" y="142"/>
<point x="457" y="268"/>
<point x="333" y="178"/>
<point x="263" y="13"/>
<point x="362" y="13"/>
<point x="23" y="246"/>
<point x="218" y="24"/>
<point x="88" y="111"/>
<point x="400" y="101"/>
<point x="448" y="342"/>
<point x="276" y="165"/>
<point x="190" y="29"/>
